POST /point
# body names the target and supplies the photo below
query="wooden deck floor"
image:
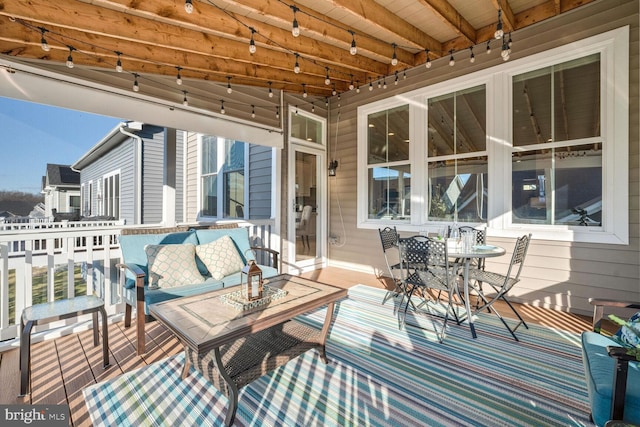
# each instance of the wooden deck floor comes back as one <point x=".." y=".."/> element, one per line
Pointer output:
<point x="62" y="367"/>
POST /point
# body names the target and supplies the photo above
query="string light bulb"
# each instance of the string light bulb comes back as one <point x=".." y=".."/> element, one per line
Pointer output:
<point x="313" y="108"/>
<point x="252" y="42"/>
<point x="384" y="82"/>
<point x="370" y="85"/>
<point x="178" y="76"/>
<point x="70" y="57"/>
<point x="43" y="42"/>
<point x="188" y="6"/>
<point x="488" y="47"/>
<point x="270" y="91"/>
<point x="395" y="82"/>
<point x="118" y="62"/>
<point x="353" y="49"/>
<point x="277" y="111"/>
<point x="253" y="111"/>
<point x="394" y="58"/>
<point x="351" y="85"/>
<point x="334" y="91"/>
<point x="327" y="80"/>
<point x="136" y="86"/>
<point x="452" y="60"/>
<point x="357" y="86"/>
<point x="472" y="57"/>
<point x="510" y="41"/>
<point x="296" y="67"/>
<point x="304" y="90"/>
<point x="506" y="52"/>
<point x="222" y="107"/>
<point x="499" y="32"/>
<point x="295" y="28"/>
<point x="185" y="102"/>
<point x="428" y="63"/>
<point x="229" y="90"/>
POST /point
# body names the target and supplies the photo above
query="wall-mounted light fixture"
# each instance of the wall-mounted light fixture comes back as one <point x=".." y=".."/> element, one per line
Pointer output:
<point x="332" y="167"/>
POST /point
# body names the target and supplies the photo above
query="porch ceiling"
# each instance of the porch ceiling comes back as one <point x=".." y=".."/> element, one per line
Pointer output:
<point x="211" y="45"/>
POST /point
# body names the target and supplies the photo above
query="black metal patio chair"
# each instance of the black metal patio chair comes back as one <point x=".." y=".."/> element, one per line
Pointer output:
<point x="501" y="284"/>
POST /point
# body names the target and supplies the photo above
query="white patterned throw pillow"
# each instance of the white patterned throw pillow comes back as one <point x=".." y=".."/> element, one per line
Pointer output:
<point x="172" y="265"/>
<point x="220" y="257"/>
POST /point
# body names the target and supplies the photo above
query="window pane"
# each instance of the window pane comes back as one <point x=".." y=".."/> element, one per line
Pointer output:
<point x="457" y="122"/>
<point x="471" y="120"/>
<point x="234" y="195"/>
<point x="234" y="155"/>
<point x="390" y="192"/>
<point x="458" y="186"/>
<point x="577" y="99"/>
<point x="557" y="103"/>
<point x="209" y="196"/>
<point x="209" y="154"/>
<point x="305" y="128"/>
<point x="388" y="136"/>
<point x="555" y="186"/>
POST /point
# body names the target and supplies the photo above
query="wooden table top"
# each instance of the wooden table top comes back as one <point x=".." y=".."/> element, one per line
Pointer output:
<point x="205" y="321"/>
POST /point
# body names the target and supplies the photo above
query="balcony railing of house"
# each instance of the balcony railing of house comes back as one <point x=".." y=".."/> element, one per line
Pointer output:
<point x="42" y="262"/>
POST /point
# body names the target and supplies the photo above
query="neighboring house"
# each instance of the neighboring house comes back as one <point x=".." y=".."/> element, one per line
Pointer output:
<point x="125" y="176"/>
<point x="61" y="189"/>
<point x="38" y="211"/>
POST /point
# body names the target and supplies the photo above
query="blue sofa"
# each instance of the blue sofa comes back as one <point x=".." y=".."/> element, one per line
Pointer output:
<point x="137" y="292"/>
<point x="612" y="376"/>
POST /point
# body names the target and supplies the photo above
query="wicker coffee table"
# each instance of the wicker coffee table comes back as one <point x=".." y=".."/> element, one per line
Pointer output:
<point x="232" y="346"/>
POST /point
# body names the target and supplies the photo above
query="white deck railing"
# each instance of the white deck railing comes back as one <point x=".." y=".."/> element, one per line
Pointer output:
<point x="50" y="251"/>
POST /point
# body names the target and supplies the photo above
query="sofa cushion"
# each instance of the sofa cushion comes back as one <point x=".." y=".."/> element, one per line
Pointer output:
<point x="132" y="248"/>
<point x="220" y="256"/>
<point x="153" y="296"/>
<point x="599" y="368"/>
<point x="630" y="335"/>
<point x="240" y="237"/>
<point x="172" y="265"/>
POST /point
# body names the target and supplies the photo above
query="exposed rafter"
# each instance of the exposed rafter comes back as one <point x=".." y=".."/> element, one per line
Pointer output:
<point x="212" y="43"/>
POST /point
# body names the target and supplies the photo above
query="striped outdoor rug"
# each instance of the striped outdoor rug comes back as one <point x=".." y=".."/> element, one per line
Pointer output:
<point x="379" y="375"/>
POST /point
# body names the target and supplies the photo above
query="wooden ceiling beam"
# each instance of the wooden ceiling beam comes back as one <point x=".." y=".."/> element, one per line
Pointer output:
<point x="523" y="19"/>
<point x="450" y="16"/>
<point x="380" y="17"/>
<point x="324" y="29"/>
<point x="196" y="66"/>
<point x="143" y="34"/>
<point x="211" y="20"/>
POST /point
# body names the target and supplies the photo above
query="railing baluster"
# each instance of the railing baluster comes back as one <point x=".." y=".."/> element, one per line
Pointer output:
<point x="45" y="245"/>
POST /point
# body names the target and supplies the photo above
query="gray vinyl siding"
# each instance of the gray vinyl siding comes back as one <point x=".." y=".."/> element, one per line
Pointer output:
<point x="560" y="275"/>
<point x="191" y="177"/>
<point x="122" y="158"/>
<point x="152" y="173"/>
<point x="260" y="172"/>
<point x="180" y="146"/>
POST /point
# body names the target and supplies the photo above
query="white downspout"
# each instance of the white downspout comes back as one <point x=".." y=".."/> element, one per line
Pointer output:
<point x="138" y="175"/>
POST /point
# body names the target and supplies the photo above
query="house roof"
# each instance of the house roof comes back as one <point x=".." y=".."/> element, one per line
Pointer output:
<point x="61" y="175"/>
<point x="155" y="40"/>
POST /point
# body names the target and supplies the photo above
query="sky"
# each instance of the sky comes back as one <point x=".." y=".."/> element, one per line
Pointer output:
<point x="35" y="134"/>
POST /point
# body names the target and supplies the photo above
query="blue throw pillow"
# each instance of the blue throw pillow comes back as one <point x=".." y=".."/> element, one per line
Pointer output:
<point x="629" y="335"/>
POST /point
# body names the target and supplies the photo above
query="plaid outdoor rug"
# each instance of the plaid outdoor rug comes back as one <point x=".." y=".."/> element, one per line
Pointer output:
<point x="379" y="375"/>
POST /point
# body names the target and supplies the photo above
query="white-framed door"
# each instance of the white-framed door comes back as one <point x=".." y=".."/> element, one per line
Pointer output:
<point x="307" y="208"/>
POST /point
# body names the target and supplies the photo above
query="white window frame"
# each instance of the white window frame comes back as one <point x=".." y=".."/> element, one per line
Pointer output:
<point x="105" y="202"/>
<point x="220" y="152"/>
<point x="613" y="47"/>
